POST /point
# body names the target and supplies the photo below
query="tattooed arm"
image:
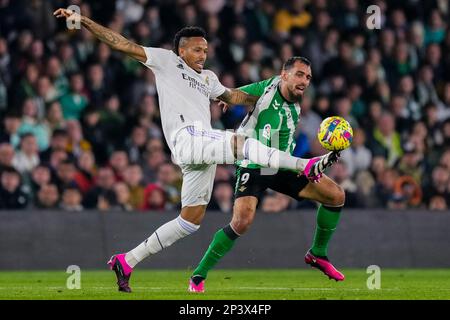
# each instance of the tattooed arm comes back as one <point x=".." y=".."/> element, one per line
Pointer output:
<point x="236" y="96"/>
<point x="108" y="36"/>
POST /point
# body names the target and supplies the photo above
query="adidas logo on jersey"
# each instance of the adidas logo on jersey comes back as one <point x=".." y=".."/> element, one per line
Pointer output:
<point x="180" y="66"/>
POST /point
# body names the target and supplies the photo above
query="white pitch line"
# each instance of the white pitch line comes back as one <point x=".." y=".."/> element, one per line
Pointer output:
<point x="171" y="289"/>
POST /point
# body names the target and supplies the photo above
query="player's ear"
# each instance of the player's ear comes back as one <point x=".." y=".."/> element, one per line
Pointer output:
<point x="284" y="75"/>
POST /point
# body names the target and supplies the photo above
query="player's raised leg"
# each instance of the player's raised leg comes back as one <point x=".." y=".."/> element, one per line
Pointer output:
<point x="195" y="145"/>
<point x="332" y="199"/>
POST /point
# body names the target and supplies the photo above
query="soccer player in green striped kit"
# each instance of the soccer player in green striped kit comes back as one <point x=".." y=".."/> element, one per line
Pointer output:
<point x="273" y="121"/>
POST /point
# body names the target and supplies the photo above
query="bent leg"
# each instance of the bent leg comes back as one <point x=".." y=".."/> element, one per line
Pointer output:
<point x="167" y="234"/>
<point x="224" y="239"/>
<point x="195" y="194"/>
<point x="326" y="191"/>
<point x="332" y="199"/>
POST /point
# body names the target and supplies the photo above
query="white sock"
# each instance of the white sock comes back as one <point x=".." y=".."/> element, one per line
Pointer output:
<point x="163" y="237"/>
<point x="265" y="156"/>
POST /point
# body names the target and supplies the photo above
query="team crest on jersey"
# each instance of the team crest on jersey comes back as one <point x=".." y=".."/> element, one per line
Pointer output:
<point x="207" y="80"/>
<point x="266" y="131"/>
<point x="180" y="66"/>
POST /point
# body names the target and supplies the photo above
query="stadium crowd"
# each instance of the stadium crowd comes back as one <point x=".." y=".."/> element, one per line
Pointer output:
<point x="80" y="124"/>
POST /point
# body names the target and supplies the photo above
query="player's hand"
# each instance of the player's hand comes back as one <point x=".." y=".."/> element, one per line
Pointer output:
<point x="68" y="14"/>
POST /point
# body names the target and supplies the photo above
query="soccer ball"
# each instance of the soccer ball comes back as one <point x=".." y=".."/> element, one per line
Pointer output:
<point x="335" y="134"/>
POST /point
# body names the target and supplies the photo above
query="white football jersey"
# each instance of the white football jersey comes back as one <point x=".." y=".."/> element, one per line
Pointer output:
<point x="184" y="95"/>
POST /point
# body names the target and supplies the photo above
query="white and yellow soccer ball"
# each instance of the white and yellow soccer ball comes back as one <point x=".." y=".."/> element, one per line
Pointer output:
<point x="335" y="134"/>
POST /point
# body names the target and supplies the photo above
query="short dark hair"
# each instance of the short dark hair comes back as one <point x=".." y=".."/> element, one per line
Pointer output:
<point x="26" y="135"/>
<point x="58" y="132"/>
<point x="291" y="61"/>
<point x="187" y="32"/>
<point x="10" y="170"/>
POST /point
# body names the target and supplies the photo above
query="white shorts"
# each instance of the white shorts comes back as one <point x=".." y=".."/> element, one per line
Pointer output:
<point x="197" y="152"/>
<point x="198" y="183"/>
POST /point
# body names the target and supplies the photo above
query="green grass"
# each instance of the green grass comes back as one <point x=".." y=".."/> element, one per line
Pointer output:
<point x="231" y="285"/>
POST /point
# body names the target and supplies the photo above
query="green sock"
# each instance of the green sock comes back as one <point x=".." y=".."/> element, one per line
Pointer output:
<point x="327" y="220"/>
<point x="220" y="245"/>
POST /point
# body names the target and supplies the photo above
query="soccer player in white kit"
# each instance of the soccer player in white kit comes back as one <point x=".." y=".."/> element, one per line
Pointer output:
<point x="184" y="91"/>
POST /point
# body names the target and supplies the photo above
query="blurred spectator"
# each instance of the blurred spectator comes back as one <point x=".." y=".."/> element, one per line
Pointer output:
<point x="409" y="190"/>
<point x="309" y="120"/>
<point x="65" y="175"/>
<point x="28" y="156"/>
<point x="119" y="163"/>
<point x="107" y="201"/>
<point x="74" y="102"/>
<point x="358" y="157"/>
<point x="56" y="157"/>
<point x="154" y="198"/>
<point x="76" y="144"/>
<point x="136" y="144"/>
<point x="9" y="132"/>
<point x="71" y="199"/>
<point x="123" y="196"/>
<point x="222" y="198"/>
<point x="40" y="176"/>
<point x="55" y="118"/>
<point x="45" y="93"/>
<point x="86" y="171"/>
<point x="169" y="179"/>
<point x="104" y="183"/>
<point x="438" y="185"/>
<point x="438" y="203"/>
<point x="385" y="140"/>
<point x="293" y="16"/>
<point x="112" y="120"/>
<point x="32" y="124"/>
<point x="152" y="163"/>
<point x="411" y="164"/>
<point x="47" y="197"/>
<point x="11" y="195"/>
<point x="132" y="176"/>
<point x="57" y="76"/>
<point x="385" y="187"/>
<point x="6" y="156"/>
<point x="96" y="87"/>
<point x="58" y="142"/>
<point x="94" y="132"/>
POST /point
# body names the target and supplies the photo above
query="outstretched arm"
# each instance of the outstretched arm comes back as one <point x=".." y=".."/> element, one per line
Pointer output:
<point x="236" y="96"/>
<point x="108" y="36"/>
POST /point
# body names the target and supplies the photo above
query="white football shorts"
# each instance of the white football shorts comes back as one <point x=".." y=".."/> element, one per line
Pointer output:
<point x="198" y="151"/>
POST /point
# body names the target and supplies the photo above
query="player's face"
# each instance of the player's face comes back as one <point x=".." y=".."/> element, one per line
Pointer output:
<point x="194" y="51"/>
<point x="296" y="79"/>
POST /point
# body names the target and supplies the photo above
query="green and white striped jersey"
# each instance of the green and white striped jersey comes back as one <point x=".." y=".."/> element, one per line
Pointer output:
<point x="272" y="121"/>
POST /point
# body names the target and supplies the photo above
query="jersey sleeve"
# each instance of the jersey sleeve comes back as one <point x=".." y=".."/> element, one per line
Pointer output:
<point x="257" y="88"/>
<point x="157" y="58"/>
<point x="217" y="89"/>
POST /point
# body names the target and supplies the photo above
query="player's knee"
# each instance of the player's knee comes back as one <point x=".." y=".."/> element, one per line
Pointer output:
<point x="338" y="198"/>
<point x="241" y="222"/>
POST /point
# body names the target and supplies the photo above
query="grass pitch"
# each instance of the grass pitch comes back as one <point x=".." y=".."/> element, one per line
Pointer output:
<point x="230" y="285"/>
